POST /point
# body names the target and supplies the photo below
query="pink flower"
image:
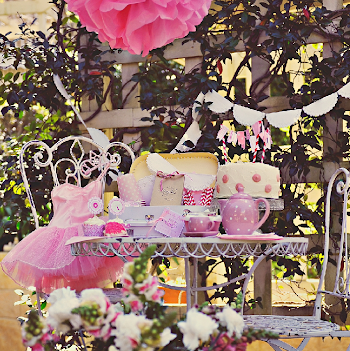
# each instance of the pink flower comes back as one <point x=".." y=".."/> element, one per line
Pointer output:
<point x="37" y="347"/>
<point x="140" y="25"/>
<point x="224" y="342"/>
<point x="157" y="295"/>
<point x="136" y="305"/>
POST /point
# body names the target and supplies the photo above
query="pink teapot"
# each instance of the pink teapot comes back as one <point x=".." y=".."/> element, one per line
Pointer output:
<point x="240" y="214"/>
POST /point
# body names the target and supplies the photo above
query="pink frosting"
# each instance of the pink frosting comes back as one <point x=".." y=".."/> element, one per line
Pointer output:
<point x="268" y="188"/>
<point x="140" y="25"/>
<point x="225" y="178"/>
<point x="256" y="178"/>
<point x="218" y="188"/>
<point x="278" y="177"/>
<point x="114" y="228"/>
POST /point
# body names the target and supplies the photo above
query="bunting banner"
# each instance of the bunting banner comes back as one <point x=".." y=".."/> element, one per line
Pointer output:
<point x="249" y="117"/>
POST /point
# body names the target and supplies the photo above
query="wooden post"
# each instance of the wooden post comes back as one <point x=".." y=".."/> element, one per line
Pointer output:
<point x="191" y="63"/>
<point x="330" y="138"/>
<point x="130" y="93"/>
<point x="262" y="275"/>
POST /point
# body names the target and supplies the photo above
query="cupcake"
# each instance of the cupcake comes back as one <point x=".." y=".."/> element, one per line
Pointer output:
<point x="94" y="226"/>
<point x="115" y="227"/>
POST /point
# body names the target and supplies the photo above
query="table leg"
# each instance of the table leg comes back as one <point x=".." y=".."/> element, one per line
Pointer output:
<point x="195" y="280"/>
<point x="188" y="283"/>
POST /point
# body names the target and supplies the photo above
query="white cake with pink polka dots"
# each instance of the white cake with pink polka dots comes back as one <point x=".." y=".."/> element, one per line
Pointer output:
<point x="258" y="180"/>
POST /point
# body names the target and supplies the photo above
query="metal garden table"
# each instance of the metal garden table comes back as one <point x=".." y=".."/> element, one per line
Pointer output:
<point x="187" y="248"/>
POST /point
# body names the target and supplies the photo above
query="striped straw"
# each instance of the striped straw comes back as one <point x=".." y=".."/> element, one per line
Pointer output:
<point x="256" y="145"/>
<point x="225" y="150"/>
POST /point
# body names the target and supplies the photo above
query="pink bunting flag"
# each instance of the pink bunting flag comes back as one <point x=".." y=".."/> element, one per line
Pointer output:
<point x="222" y="132"/>
<point x="257" y="128"/>
<point x="231" y="137"/>
<point x="247" y="134"/>
<point x="241" y="139"/>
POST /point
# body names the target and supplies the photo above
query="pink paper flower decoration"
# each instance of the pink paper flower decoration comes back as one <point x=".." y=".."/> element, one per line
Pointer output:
<point x="139" y="26"/>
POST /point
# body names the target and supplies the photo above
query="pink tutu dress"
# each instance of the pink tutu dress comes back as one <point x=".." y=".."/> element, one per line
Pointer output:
<point x="43" y="260"/>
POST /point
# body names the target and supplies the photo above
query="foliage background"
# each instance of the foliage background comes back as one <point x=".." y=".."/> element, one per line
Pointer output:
<point x="273" y="31"/>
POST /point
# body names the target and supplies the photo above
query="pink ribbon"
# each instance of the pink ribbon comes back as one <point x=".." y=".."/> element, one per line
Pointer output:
<point x="155" y="221"/>
<point x="167" y="176"/>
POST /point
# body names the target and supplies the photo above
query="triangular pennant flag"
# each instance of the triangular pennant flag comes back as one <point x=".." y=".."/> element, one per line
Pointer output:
<point x="234" y="138"/>
<point x="256" y="128"/>
<point x="253" y="144"/>
<point x="222" y="132"/>
<point x="241" y="139"/>
<point x="229" y="138"/>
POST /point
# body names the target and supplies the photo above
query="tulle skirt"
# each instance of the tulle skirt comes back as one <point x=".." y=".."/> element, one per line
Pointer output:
<point x="44" y="261"/>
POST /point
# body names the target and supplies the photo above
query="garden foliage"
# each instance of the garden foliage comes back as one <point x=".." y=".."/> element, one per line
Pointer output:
<point x="274" y="31"/>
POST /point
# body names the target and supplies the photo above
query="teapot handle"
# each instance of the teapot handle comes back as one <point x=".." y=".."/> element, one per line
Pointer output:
<point x="266" y="214"/>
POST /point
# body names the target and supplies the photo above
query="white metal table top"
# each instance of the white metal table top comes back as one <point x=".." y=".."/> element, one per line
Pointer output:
<point x="186" y="247"/>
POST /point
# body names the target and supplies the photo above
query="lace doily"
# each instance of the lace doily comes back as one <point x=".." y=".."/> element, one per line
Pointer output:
<point x="247" y="116"/>
<point x="218" y="103"/>
<point x="156" y="163"/>
<point x="283" y="118"/>
<point x="322" y="106"/>
<point x="198" y="103"/>
<point x="196" y="182"/>
<point x="193" y="133"/>
<point x="345" y="91"/>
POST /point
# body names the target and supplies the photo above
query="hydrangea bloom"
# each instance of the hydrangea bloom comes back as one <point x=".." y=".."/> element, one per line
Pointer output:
<point x="197" y="327"/>
<point x="63" y="302"/>
<point x="128" y="331"/>
<point x="140" y="25"/>
<point x="233" y="321"/>
<point x="106" y="313"/>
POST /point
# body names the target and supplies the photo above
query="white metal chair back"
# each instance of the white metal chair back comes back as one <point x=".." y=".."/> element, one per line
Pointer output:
<point x="336" y="212"/>
<point x="306" y="327"/>
<point x="75" y="157"/>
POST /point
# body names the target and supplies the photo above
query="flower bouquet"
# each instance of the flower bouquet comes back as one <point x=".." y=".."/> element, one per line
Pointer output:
<point x="139" y="322"/>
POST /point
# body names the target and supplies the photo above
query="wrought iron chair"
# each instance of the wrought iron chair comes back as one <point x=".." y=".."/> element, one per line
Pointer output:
<point x="306" y="327"/>
<point x="76" y="157"/>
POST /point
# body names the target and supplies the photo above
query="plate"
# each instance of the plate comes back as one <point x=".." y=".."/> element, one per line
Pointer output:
<point x="268" y="236"/>
<point x="200" y="234"/>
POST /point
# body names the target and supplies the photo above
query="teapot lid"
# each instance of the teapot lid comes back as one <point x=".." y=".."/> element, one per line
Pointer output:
<point x="240" y="194"/>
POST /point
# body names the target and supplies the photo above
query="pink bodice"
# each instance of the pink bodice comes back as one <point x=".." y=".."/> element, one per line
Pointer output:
<point x="70" y="203"/>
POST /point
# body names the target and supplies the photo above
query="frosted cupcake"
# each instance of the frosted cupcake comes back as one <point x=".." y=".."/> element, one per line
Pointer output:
<point x="115" y="227"/>
<point x="94" y="226"/>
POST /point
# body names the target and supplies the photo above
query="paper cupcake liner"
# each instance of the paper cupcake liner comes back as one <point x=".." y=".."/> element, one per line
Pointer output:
<point x="93" y="230"/>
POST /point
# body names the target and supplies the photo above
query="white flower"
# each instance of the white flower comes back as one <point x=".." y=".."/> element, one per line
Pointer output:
<point x="59" y="294"/>
<point x="128" y="331"/>
<point x="95" y="298"/>
<point x="95" y="295"/>
<point x="166" y="336"/>
<point x="233" y="321"/>
<point x="60" y="313"/>
<point x="197" y="326"/>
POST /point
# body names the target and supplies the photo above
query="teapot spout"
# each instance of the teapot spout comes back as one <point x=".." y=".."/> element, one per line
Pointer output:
<point x="222" y="204"/>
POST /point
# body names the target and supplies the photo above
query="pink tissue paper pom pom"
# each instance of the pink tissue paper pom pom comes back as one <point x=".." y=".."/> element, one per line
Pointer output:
<point x="140" y="26"/>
